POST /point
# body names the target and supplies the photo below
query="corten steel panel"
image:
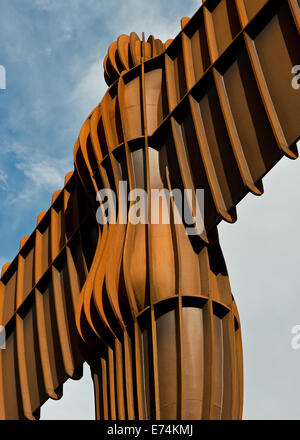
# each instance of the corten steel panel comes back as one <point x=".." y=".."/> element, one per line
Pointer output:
<point x="149" y="307"/>
<point x="39" y="294"/>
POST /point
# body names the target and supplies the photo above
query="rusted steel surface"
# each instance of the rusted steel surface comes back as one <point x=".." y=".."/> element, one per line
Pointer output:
<point x="149" y="307"/>
<point x="39" y="296"/>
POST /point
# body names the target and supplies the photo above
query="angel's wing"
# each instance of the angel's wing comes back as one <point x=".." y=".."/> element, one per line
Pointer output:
<point x="39" y="291"/>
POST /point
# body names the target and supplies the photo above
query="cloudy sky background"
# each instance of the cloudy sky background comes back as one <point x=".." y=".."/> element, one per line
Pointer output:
<point x="53" y="52"/>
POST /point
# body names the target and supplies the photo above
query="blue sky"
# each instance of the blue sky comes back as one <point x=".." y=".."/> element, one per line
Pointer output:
<point x="53" y="52"/>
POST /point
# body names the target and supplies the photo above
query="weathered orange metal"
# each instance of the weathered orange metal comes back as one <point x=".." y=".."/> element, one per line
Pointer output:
<point x="149" y="307"/>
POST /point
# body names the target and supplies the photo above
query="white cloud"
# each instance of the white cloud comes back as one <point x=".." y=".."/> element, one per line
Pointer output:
<point x="51" y="6"/>
<point x="41" y="176"/>
<point x="13" y="148"/>
<point x="89" y="89"/>
<point x="41" y="172"/>
<point x="3" y="180"/>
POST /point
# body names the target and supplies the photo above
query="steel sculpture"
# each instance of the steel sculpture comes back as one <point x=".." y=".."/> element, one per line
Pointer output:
<point x="148" y="306"/>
